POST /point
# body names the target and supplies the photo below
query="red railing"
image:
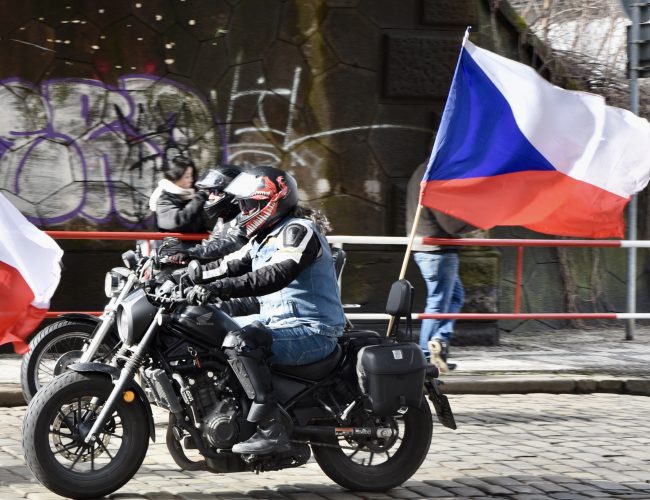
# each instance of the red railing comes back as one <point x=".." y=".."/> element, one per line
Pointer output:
<point x="520" y="244"/>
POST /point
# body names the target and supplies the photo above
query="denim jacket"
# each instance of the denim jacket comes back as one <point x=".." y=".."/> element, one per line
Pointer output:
<point x="312" y="298"/>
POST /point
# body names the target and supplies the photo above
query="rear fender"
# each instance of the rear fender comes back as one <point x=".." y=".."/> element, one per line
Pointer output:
<point x="114" y="374"/>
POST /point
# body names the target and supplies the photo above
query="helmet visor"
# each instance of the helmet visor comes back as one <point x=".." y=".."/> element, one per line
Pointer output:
<point x="211" y="180"/>
<point x="243" y="185"/>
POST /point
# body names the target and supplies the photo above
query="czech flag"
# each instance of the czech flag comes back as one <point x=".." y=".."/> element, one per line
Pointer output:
<point x="514" y="150"/>
<point x="29" y="274"/>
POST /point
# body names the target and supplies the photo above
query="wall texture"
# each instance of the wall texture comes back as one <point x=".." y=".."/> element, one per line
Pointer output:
<point x="345" y="94"/>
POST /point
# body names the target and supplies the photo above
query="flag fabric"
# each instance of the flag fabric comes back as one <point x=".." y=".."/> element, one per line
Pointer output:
<point x="514" y="150"/>
<point x="29" y="274"/>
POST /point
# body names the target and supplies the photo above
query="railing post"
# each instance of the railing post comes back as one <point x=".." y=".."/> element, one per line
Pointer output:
<point x="518" y="278"/>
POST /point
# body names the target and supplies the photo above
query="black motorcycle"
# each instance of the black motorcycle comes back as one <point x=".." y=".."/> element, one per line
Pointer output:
<point x="361" y="410"/>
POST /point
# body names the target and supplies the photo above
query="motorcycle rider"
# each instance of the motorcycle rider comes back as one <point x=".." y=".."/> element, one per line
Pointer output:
<point x="226" y="236"/>
<point x="287" y="264"/>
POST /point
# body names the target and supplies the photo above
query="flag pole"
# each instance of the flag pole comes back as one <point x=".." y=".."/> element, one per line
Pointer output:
<point x="407" y="255"/>
<point x="418" y="211"/>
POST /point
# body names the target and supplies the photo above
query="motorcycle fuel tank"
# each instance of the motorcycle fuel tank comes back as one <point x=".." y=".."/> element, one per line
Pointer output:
<point x="206" y="323"/>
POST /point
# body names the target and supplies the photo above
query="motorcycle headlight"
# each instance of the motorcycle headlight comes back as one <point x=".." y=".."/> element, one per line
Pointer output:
<point x="134" y="316"/>
<point x="113" y="283"/>
<point x="123" y="324"/>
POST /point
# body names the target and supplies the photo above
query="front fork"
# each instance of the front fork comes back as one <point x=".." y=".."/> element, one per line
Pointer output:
<point x="107" y="321"/>
<point x="132" y="365"/>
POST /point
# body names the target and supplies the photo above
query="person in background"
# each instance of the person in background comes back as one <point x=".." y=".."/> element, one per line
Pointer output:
<point x="177" y="206"/>
<point x="439" y="267"/>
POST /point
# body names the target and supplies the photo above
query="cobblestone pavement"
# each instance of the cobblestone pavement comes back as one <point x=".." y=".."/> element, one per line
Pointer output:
<point x="519" y="447"/>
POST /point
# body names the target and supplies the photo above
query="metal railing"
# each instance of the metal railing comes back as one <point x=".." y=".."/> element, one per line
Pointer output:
<point x="340" y="241"/>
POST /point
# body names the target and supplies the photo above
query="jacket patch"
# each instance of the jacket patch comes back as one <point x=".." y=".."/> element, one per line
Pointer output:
<point x="294" y="234"/>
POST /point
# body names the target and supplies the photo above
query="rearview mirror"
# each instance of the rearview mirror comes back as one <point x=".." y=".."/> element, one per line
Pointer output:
<point x="130" y="259"/>
<point x="194" y="272"/>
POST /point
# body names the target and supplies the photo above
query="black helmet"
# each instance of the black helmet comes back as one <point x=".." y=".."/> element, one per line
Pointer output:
<point x="265" y="195"/>
<point x="216" y="180"/>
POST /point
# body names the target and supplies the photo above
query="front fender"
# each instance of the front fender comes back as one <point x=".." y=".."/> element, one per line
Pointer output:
<point x="84" y="318"/>
<point x="114" y="373"/>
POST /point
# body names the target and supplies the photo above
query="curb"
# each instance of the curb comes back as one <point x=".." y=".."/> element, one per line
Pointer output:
<point x="554" y="384"/>
<point x="11" y="394"/>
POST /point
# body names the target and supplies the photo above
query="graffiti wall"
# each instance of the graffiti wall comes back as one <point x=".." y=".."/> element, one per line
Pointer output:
<point x="344" y="94"/>
<point x="95" y="95"/>
<point x="73" y="148"/>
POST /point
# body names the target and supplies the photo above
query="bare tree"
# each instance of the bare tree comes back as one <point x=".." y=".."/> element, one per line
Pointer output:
<point x="588" y="41"/>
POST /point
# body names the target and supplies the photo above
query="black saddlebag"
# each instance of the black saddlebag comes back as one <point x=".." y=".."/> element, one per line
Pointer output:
<point x="392" y="376"/>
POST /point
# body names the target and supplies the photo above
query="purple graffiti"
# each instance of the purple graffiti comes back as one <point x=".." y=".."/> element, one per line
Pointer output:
<point x="78" y="147"/>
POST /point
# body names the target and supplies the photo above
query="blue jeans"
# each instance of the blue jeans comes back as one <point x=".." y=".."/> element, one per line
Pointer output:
<point x="445" y="294"/>
<point x="298" y="344"/>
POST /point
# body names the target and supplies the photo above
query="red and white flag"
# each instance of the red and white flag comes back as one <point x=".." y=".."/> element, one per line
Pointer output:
<point x="29" y="274"/>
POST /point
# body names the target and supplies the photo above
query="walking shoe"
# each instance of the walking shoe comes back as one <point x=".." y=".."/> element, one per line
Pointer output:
<point x="438" y="354"/>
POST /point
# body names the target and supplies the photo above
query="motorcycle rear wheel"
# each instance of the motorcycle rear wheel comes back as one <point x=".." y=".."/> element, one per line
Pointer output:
<point x="55" y="423"/>
<point x="39" y="366"/>
<point x="386" y="463"/>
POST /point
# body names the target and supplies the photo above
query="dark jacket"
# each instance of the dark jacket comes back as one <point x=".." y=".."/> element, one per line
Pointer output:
<point x="224" y="239"/>
<point x="176" y="215"/>
<point x="432" y="223"/>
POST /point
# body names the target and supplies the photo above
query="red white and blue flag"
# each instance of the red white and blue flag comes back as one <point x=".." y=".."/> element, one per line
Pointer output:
<point x="514" y="150"/>
<point x="29" y="274"/>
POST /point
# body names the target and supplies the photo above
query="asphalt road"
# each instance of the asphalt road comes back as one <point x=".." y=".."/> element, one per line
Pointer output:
<point x="517" y="446"/>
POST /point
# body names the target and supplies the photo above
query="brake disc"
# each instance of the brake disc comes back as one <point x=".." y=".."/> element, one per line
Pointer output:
<point x="65" y="421"/>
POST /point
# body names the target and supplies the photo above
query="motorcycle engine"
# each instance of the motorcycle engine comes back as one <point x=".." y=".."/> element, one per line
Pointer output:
<point x="220" y="427"/>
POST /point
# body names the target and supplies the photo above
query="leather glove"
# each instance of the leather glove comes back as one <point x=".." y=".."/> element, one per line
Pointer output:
<point x="201" y="294"/>
<point x="198" y="295"/>
<point x="170" y="246"/>
<point x="178" y="258"/>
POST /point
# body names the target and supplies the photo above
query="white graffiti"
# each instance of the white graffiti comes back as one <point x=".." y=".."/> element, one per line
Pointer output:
<point x="79" y="148"/>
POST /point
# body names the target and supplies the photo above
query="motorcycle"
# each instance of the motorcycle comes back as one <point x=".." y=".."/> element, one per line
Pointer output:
<point x="82" y="337"/>
<point x="362" y="410"/>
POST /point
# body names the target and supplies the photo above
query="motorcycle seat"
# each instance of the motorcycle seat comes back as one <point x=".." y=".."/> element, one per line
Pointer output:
<point x="313" y="371"/>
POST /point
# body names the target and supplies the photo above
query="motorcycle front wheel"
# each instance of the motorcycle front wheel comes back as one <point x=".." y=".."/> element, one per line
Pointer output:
<point x="54" y="427"/>
<point x="373" y="464"/>
<point x="53" y="349"/>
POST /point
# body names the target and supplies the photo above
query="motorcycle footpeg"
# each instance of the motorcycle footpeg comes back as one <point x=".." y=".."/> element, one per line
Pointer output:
<point x="441" y="405"/>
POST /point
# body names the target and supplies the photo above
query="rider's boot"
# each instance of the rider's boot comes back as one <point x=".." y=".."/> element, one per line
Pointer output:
<point x="271" y="437"/>
<point x="248" y="350"/>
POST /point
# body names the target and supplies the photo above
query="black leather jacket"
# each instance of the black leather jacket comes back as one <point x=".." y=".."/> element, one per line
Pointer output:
<point x="224" y="239"/>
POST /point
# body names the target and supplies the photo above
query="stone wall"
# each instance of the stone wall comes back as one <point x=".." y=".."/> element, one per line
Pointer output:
<point x="345" y="94"/>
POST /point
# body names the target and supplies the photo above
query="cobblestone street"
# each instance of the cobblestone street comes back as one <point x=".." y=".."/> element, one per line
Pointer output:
<point x="524" y="447"/>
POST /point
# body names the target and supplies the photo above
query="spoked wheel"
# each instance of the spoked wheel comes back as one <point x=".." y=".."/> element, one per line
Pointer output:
<point x="378" y="464"/>
<point x="53" y="350"/>
<point x="56" y="423"/>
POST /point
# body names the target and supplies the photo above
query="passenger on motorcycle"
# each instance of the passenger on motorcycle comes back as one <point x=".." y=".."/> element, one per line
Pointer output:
<point x="287" y="264"/>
